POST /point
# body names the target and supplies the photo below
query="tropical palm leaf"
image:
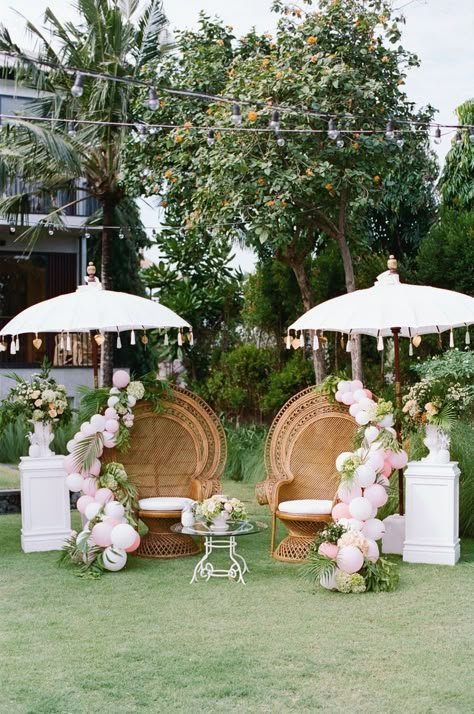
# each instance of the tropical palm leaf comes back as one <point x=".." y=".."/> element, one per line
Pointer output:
<point x="150" y="25"/>
<point x="87" y="451"/>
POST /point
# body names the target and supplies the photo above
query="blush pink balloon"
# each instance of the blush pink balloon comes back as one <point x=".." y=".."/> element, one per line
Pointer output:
<point x="103" y="496"/>
<point x="398" y="459"/>
<point x="110" y="442"/>
<point x="121" y="379"/>
<point x="95" y="468"/>
<point x="387" y="469"/>
<point x="373" y="553"/>
<point x="348" y="491"/>
<point x="90" y="487"/>
<point x="354" y="409"/>
<point x="69" y="464"/>
<point x="356" y="384"/>
<point x="376" y="494"/>
<point x="376" y="460"/>
<point x="330" y="550"/>
<point x="111" y="426"/>
<point x="350" y="559"/>
<point x="368" y="393"/>
<point x="135" y="545"/>
<point x="83" y="502"/>
<point x="111" y="413"/>
<point x="341" y="510"/>
<point x="338" y="396"/>
<point x="348" y="398"/>
<point x="101" y="534"/>
<point x="113" y="521"/>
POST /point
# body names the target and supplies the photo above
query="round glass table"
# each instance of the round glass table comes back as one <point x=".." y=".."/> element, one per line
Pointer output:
<point x="220" y="540"/>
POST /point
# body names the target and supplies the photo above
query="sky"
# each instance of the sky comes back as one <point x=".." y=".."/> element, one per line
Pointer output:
<point x="440" y="32"/>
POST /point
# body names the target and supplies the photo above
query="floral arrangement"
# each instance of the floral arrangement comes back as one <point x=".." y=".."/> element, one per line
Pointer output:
<point x="40" y="400"/>
<point x="435" y="401"/>
<point x="212" y="507"/>
<point x="108" y="498"/>
<point x="346" y="555"/>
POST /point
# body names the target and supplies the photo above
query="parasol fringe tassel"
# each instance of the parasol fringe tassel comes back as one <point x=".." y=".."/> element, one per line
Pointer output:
<point x="467" y="337"/>
<point x="380" y="345"/>
<point x="288" y="341"/>
<point x="315" y="342"/>
<point x="166" y="341"/>
<point x="301" y="339"/>
<point x="451" y="338"/>
<point x="133" y="340"/>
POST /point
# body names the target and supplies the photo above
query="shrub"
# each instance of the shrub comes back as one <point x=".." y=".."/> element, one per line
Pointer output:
<point x="245" y="448"/>
<point x="295" y="375"/>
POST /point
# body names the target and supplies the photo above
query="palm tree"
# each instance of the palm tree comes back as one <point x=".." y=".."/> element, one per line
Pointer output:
<point x="53" y="157"/>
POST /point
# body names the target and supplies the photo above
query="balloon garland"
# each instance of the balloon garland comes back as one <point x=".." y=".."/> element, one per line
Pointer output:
<point x="107" y="497"/>
<point x="351" y="541"/>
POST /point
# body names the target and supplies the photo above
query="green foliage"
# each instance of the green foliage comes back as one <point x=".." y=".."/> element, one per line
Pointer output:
<point x="446" y="255"/>
<point x="317" y="567"/>
<point x="115" y="477"/>
<point x="296" y="374"/>
<point x="462" y="450"/>
<point x="85" y="557"/>
<point x="452" y="366"/>
<point x="13" y="443"/>
<point x="457" y="179"/>
<point x="245" y="447"/>
<point x="381" y="576"/>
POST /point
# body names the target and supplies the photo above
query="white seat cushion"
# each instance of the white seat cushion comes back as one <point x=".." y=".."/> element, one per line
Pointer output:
<point x="164" y="503"/>
<point x="307" y="506"/>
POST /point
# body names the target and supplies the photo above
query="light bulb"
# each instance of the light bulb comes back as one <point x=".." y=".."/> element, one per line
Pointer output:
<point x="153" y="102"/>
<point x="211" y="138"/>
<point x="87" y="235"/>
<point x="72" y="128"/>
<point x="458" y="138"/>
<point x="279" y="139"/>
<point x="50" y="229"/>
<point x="12" y="228"/>
<point x="471" y="134"/>
<point x="77" y="89"/>
<point x="400" y="140"/>
<point x="333" y="131"/>
<point x="275" y="120"/>
<point x="389" y="132"/>
<point x="340" y="143"/>
<point x="121" y="235"/>
<point x="236" y="117"/>
<point x="141" y="133"/>
<point x="437" y="135"/>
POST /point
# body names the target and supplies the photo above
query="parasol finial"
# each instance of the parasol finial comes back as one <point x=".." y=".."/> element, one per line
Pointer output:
<point x="392" y="264"/>
<point x="91" y="271"/>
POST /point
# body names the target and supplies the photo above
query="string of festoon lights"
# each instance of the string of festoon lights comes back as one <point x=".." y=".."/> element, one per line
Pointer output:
<point x="393" y="130"/>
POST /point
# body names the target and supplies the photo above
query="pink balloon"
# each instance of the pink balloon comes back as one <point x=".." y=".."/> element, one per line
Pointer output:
<point x="83" y="502"/>
<point x="120" y="379"/>
<point x="338" y="396"/>
<point x="354" y="409"/>
<point x="374" y="552"/>
<point x="135" y="545"/>
<point x="69" y="464"/>
<point x="398" y="459"/>
<point x="350" y="559"/>
<point x="341" y="510"/>
<point x="87" y="429"/>
<point x="95" y="468"/>
<point x="368" y="393"/>
<point x="387" y="469"/>
<point x="111" y="413"/>
<point x="110" y="441"/>
<point x="113" y="521"/>
<point x="356" y="384"/>
<point x="376" y="494"/>
<point x="376" y="460"/>
<point x="101" y="534"/>
<point x="90" y="487"/>
<point x="103" y="496"/>
<point x="348" y="491"/>
<point x="348" y="398"/>
<point x="112" y="426"/>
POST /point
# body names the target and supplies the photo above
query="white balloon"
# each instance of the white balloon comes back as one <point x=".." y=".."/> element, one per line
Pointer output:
<point x="366" y="403"/>
<point x="362" y="418"/>
<point x="114" y="390"/>
<point x="71" y="445"/>
<point x="364" y="476"/>
<point x="92" y="510"/>
<point x="342" y="458"/>
<point x="375" y="460"/>
<point x="329" y="581"/>
<point x="355" y="524"/>
<point x="371" y="433"/>
<point x="74" y="482"/>
<point x="348" y="490"/>
<point x="112" y="401"/>
<point x="114" y="509"/>
<point x="123" y="536"/>
<point x="383" y="481"/>
<point x="98" y="422"/>
<point x="361" y="508"/>
<point x="114" y="558"/>
<point x="373" y="528"/>
<point x="359" y="394"/>
<point x="344" y="386"/>
<point x="131" y="400"/>
<point x="386" y="421"/>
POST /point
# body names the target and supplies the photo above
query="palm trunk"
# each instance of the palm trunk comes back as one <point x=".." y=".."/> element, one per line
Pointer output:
<point x="107" y="352"/>
<point x="308" y="302"/>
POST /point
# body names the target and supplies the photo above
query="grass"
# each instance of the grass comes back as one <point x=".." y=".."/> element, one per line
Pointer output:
<point x="9" y="477"/>
<point x="144" y="640"/>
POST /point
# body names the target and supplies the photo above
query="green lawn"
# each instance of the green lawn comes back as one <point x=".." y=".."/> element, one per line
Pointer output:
<point x="9" y="477"/>
<point x="144" y="640"/>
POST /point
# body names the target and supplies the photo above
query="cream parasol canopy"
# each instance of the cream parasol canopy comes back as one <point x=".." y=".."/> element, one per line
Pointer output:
<point x="91" y="308"/>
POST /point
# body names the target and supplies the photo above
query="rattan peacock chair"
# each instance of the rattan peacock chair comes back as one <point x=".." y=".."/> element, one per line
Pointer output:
<point x="175" y="456"/>
<point x="305" y="438"/>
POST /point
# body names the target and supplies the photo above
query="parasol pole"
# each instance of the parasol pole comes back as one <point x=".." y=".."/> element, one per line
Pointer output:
<point x="91" y="271"/>
<point x="392" y="266"/>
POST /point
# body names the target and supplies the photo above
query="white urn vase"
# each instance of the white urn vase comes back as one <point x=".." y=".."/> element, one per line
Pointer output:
<point x="437" y="442"/>
<point x="187" y="518"/>
<point x="40" y="439"/>
<point x="220" y="522"/>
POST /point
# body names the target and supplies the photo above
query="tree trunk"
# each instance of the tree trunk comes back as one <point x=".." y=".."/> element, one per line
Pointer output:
<point x="307" y="298"/>
<point x="356" y="351"/>
<point x="107" y="351"/>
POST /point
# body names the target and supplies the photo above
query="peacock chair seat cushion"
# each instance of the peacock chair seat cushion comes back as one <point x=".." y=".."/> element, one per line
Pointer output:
<point x="307" y="507"/>
<point x="164" y="503"/>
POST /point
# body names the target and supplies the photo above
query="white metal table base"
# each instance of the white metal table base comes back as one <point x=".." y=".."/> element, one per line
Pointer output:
<point x="205" y="569"/>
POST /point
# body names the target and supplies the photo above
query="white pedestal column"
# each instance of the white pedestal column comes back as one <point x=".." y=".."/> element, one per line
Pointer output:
<point x="432" y="513"/>
<point x="45" y="510"/>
